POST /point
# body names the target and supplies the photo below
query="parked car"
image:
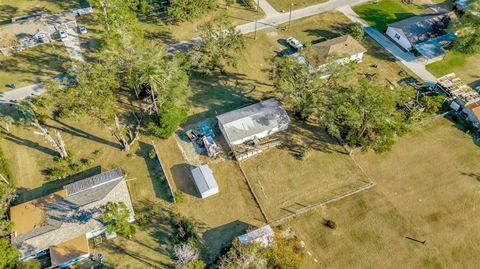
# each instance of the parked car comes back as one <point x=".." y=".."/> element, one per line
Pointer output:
<point x="62" y="34"/>
<point x="294" y="43"/>
<point x="82" y="29"/>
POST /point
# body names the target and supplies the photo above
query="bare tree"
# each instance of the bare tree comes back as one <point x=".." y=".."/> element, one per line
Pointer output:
<point x="58" y="144"/>
<point x="184" y="254"/>
<point x="7" y="121"/>
<point x="125" y="136"/>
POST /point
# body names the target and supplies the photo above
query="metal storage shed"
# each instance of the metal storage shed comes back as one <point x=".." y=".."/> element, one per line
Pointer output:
<point x="206" y="184"/>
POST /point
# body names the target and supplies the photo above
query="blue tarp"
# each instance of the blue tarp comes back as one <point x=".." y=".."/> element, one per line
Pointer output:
<point x="433" y="48"/>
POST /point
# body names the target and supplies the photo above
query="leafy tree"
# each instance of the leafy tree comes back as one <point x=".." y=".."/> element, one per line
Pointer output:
<point x="221" y="43"/>
<point x="116" y="218"/>
<point x="355" y="30"/>
<point x="285" y="253"/>
<point x="250" y="4"/>
<point x="165" y="123"/>
<point x="195" y="264"/>
<point x="117" y="15"/>
<point x="468" y="35"/>
<point x="249" y="256"/>
<point x="189" y="10"/>
<point x="92" y="95"/>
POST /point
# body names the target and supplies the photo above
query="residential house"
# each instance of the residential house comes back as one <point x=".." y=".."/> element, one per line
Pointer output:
<point x="205" y="181"/>
<point x="60" y="224"/>
<point x="253" y="122"/>
<point x="344" y="48"/>
<point x="431" y="24"/>
<point x="472" y="110"/>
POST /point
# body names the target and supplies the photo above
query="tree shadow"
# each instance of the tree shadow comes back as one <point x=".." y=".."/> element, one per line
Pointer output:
<point x="25" y="194"/>
<point x="80" y="133"/>
<point x="217" y="240"/>
<point x="157" y="176"/>
<point x="28" y="143"/>
<point x="322" y="34"/>
<point x="475" y="176"/>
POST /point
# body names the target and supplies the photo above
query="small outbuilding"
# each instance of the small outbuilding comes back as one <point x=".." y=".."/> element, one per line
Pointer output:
<point x="255" y="121"/>
<point x="206" y="184"/>
<point x="264" y="236"/>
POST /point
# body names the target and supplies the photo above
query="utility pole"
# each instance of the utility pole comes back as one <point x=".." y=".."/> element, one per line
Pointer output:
<point x="290" y="16"/>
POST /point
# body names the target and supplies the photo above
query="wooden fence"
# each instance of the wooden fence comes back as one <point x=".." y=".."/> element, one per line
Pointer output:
<point x="164" y="172"/>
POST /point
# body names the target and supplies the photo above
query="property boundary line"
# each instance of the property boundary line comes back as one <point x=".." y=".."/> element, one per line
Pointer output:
<point x="164" y="173"/>
<point x="253" y="193"/>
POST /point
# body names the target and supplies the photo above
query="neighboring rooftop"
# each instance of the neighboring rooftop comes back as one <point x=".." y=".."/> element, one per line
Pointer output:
<point x="69" y="250"/>
<point x="263" y="235"/>
<point x="253" y="120"/>
<point x="475" y="108"/>
<point x="432" y="23"/>
<point x="62" y="216"/>
<point x="342" y="46"/>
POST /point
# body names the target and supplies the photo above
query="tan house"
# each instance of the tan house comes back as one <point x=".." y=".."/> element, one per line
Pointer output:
<point x="59" y="225"/>
<point x="345" y="48"/>
<point x="473" y="113"/>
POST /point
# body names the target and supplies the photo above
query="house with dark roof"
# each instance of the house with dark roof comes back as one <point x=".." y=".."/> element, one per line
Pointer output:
<point x="60" y="224"/>
<point x="432" y="23"/>
<point x="253" y="122"/>
<point x="343" y="48"/>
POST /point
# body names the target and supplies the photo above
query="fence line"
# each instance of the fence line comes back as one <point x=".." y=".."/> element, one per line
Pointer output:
<point x="253" y="193"/>
<point x="164" y="172"/>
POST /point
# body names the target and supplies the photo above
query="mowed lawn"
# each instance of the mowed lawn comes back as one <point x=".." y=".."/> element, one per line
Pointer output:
<point x="428" y="188"/>
<point x="284" y="5"/>
<point x="379" y="14"/>
<point x="285" y="182"/>
<point x="14" y="8"/>
<point x="33" y="65"/>
<point x="467" y="67"/>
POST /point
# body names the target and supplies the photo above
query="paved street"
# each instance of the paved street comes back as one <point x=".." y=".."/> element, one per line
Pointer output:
<point x="274" y="20"/>
<point x="21" y="93"/>
<point x="408" y="59"/>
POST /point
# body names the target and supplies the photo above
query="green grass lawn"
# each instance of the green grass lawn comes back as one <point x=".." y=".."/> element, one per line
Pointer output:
<point x="284" y="5"/>
<point x="427" y="188"/>
<point x="383" y="12"/>
<point x="33" y="65"/>
<point x="14" y="8"/>
<point x="467" y="67"/>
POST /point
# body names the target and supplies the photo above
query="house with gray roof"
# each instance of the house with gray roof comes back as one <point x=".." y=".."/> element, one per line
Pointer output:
<point x="253" y="122"/>
<point x="431" y="24"/>
<point x="60" y="224"/>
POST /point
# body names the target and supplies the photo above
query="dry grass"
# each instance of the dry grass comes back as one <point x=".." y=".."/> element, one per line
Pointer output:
<point x="466" y="67"/>
<point x="311" y="167"/>
<point x="32" y="65"/>
<point x="427" y="188"/>
<point x="284" y="5"/>
<point x="14" y="8"/>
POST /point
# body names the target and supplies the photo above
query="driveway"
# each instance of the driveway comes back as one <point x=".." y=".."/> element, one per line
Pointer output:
<point x="72" y="44"/>
<point x="21" y="93"/>
<point x="413" y="63"/>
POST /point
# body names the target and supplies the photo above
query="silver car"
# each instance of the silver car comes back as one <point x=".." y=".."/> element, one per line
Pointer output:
<point x="294" y="43"/>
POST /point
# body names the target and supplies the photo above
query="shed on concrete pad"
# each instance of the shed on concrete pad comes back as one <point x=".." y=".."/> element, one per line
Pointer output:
<point x="206" y="184"/>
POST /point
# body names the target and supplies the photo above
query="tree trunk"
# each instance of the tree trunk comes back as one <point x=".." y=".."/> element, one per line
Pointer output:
<point x="58" y="146"/>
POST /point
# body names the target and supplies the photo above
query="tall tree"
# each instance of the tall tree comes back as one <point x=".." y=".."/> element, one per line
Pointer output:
<point x="249" y="256"/>
<point x="221" y="43"/>
<point x="189" y="10"/>
<point x="468" y="34"/>
<point x="117" y="15"/>
<point x="116" y="217"/>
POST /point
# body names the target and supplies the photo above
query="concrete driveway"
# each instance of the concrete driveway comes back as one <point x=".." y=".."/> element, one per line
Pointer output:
<point x="72" y="44"/>
<point x="21" y="93"/>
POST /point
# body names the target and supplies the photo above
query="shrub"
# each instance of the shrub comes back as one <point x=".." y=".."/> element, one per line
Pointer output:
<point x="152" y="154"/>
<point x="330" y="224"/>
<point x="179" y="196"/>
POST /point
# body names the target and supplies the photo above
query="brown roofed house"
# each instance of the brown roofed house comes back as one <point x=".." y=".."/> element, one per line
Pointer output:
<point x="345" y="48"/>
<point x="473" y="112"/>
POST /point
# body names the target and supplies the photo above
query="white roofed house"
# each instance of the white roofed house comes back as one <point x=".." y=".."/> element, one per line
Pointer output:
<point x="253" y="122"/>
<point x="60" y="224"/>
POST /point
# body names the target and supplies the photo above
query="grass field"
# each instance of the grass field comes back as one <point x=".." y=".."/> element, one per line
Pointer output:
<point x="32" y="65"/>
<point x="427" y="188"/>
<point x="379" y="14"/>
<point x="466" y="67"/>
<point x="14" y="8"/>
<point x="284" y="182"/>
<point x="284" y="5"/>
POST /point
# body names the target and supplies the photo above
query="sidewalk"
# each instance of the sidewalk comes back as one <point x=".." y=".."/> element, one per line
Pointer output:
<point x="408" y="59"/>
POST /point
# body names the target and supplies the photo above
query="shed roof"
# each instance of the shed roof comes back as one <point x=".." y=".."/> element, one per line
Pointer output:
<point x="342" y="46"/>
<point x="430" y="24"/>
<point x="253" y="119"/>
<point x="263" y="235"/>
<point x="69" y="217"/>
<point x="204" y="179"/>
